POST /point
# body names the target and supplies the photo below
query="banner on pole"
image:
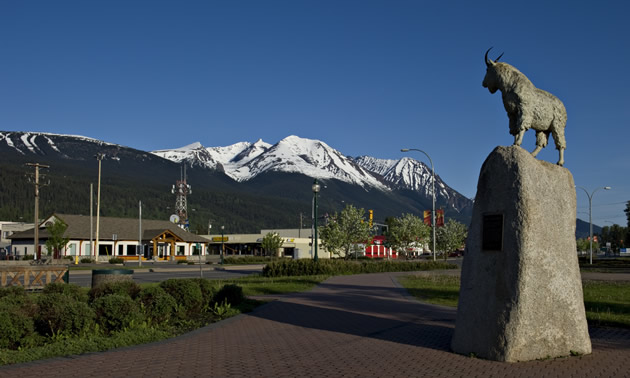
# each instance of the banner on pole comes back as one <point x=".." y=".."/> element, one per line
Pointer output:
<point x="439" y="218"/>
<point x="427" y="217"/>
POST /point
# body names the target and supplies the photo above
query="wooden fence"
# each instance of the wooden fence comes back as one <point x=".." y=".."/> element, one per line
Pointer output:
<point x="32" y="276"/>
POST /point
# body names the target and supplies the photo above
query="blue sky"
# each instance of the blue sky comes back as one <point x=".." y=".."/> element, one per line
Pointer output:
<point x="366" y="77"/>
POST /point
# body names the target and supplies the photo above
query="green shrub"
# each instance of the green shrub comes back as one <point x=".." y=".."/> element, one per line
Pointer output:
<point x="182" y="262"/>
<point x="187" y="294"/>
<point x="16" y="329"/>
<point x="87" y="260"/>
<point x="28" y="257"/>
<point x="116" y="260"/>
<point x="71" y="290"/>
<point x="158" y="305"/>
<point x="116" y="312"/>
<point x="208" y="290"/>
<point x="71" y="258"/>
<point x="12" y="291"/>
<point x="304" y="267"/>
<point x="240" y="260"/>
<point x="25" y="303"/>
<point x="61" y="314"/>
<point x="128" y="288"/>
<point x="231" y="293"/>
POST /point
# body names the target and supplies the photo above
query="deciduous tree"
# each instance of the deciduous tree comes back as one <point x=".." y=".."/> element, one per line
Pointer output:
<point x="271" y="243"/>
<point x="56" y="241"/>
<point x="407" y="232"/>
<point x="346" y="232"/>
<point x="450" y="237"/>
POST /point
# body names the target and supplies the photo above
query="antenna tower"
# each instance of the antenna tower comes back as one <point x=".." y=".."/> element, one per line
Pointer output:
<point x="181" y="189"/>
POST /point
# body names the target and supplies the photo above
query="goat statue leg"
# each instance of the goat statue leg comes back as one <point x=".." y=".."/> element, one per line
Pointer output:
<point x="536" y="151"/>
<point x="541" y="142"/>
<point x="561" y="160"/>
<point x="518" y="138"/>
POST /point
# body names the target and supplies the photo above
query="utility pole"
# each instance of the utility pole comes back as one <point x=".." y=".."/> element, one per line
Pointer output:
<point x="37" y="166"/>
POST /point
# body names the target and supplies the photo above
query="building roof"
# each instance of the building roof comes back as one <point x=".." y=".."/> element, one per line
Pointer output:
<point x="123" y="228"/>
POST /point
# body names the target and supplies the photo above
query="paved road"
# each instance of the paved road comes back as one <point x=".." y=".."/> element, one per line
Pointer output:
<point x="84" y="277"/>
<point x="349" y="326"/>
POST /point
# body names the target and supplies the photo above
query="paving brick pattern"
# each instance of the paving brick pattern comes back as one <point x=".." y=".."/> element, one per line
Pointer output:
<point x="350" y="326"/>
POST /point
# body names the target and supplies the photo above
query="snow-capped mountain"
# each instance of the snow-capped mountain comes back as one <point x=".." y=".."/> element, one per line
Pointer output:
<point x="230" y="157"/>
<point x="38" y="143"/>
<point x="411" y="174"/>
<point x="243" y="161"/>
<point x="251" y="175"/>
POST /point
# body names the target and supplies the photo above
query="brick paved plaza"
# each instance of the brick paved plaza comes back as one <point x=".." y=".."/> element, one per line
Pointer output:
<point x="350" y="326"/>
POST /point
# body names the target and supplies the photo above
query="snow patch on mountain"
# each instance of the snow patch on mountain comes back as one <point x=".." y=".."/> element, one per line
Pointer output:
<point x="22" y="141"/>
<point x="309" y="157"/>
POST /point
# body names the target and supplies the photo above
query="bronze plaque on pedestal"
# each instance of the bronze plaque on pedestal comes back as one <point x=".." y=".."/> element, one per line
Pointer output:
<point x="492" y="232"/>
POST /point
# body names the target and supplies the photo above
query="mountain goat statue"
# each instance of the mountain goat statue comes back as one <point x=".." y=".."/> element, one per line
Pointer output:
<point x="527" y="106"/>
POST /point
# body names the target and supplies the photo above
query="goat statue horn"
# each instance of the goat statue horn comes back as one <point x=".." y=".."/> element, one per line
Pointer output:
<point x="488" y="61"/>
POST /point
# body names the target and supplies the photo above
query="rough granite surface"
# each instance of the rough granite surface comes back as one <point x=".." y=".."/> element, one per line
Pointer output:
<point x="524" y="302"/>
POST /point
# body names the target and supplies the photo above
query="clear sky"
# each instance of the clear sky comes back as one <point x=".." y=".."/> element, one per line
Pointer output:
<point x="366" y="77"/>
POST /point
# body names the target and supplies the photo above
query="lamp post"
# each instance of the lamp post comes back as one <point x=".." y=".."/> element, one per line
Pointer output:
<point x="139" y="249"/>
<point x="222" y="243"/>
<point x="432" y="191"/>
<point x="316" y="189"/>
<point x="209" y="239"/>
<point x="100" y="157"/>
<point x="590" y="213"/>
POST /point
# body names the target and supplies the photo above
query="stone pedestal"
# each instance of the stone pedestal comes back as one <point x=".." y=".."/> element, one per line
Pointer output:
<point x="521" y="290"/>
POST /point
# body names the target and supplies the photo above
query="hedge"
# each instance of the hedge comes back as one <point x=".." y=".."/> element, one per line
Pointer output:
<point x="304" y="267"/>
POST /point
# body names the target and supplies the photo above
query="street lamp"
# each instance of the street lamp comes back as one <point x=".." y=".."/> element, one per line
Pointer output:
<point x="432" y="191"/>
<point x="222" y="243"/>
<point x="99" y="157"/>
<point x="590" y="213"/>
<point x="316" y="189"/>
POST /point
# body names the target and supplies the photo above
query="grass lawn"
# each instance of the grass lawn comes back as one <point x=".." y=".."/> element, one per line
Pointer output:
<point x="607" y="303"/>
<point x="258" y="285"/>
<point x="605" y="265"/>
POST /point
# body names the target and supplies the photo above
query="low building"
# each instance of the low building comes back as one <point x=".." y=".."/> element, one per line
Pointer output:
<point x="118" y="237"/>
<point x="9" y="228"/>
<point x="297" y="244"/>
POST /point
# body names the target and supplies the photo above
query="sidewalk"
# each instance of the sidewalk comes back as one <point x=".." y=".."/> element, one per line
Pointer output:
<point x="349" y="326"/>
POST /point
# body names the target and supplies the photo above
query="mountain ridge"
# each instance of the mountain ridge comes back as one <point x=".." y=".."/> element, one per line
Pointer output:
<point x="271" y="199"/>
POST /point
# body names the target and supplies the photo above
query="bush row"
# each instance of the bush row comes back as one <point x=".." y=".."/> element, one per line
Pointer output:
<point x="240" y="260"/>
<point x="304" y="267"/>
<point x="64" y="311"/>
